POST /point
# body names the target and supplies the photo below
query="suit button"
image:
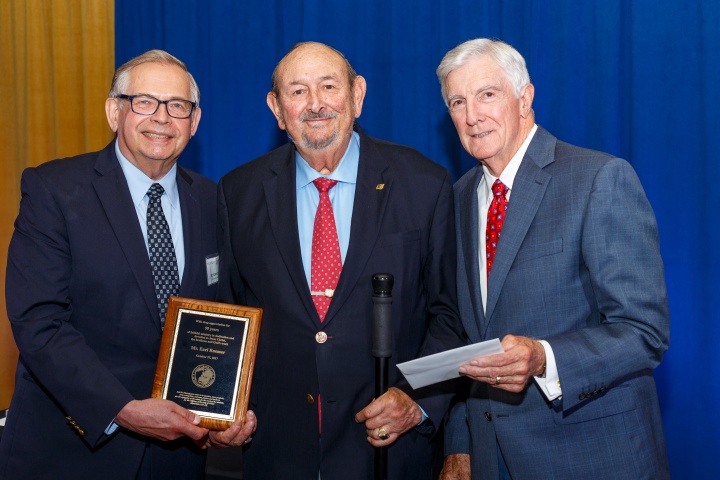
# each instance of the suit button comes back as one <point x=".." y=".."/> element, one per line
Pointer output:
<point x="488" y="416"/>
<point x="310" y="399"/>
<point x="321" y="337"/>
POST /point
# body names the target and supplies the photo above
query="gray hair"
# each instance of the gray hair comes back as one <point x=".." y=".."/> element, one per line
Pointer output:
<point x="507" y="58"/>
<point x="121" y="79"/>
<point x="351" y="74"/>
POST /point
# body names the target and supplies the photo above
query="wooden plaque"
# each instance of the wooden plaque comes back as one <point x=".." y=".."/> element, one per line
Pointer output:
<point x="207" y="357"/>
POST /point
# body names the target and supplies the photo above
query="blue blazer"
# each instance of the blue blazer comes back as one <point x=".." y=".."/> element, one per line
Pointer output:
<point x="81" y="301"/>
<point x="402" y="224"/>
<point x="578" y="265"/>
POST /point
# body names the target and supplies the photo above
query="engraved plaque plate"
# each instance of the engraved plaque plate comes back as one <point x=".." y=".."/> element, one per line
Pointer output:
<point x="207" y="357"/>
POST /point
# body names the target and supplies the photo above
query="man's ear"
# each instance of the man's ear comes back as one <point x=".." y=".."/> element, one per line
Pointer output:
<point x="527" y="94"/>
<point x="112" y="112"/>
<point x="359" y="90"/>
<point x="195" y="119"/>
<point x="274" y="105"/>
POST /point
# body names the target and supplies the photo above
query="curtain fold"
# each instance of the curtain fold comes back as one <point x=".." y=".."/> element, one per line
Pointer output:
<point x="57" y="61"/>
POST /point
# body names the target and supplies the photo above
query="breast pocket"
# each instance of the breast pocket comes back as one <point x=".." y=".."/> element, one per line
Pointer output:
<point x="400" y="238"/>
<point x="533" y="251"/>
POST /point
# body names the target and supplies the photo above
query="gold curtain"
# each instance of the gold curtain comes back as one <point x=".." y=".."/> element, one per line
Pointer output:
<point x="56" y="62"/>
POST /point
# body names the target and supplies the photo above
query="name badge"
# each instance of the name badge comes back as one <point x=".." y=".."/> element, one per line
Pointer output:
<point x="212" y="267"/>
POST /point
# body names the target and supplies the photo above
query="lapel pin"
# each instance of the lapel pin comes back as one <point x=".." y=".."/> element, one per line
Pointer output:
<point x="379" y="186"/>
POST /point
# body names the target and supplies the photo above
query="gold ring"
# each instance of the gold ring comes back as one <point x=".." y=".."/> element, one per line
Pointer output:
<point x="497" y="380"/>
<point x="382" y="434"/>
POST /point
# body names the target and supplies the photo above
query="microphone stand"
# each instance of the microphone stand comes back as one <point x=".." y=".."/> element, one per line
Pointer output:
<point x="382" y="350"/>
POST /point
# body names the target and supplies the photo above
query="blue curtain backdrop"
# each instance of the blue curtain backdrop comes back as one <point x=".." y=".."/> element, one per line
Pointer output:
<point x="637" y="79"/>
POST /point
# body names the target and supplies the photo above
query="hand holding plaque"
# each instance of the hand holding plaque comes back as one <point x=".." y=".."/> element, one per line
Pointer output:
<point x="207" y="357"/>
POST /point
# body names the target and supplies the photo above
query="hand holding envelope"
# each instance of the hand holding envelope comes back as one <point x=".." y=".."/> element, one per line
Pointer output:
<point x="444" y="365"/>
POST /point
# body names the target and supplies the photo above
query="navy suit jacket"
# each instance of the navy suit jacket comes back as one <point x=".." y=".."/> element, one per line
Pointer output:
<point x="402" y="224"/>
<point x="82" y="305"/>
<point x="578" y="265"/>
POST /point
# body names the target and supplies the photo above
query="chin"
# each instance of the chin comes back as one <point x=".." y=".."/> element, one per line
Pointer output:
<point x="482" y="152"/>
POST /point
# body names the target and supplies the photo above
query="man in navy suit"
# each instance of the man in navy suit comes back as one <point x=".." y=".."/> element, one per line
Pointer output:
<point x="82" y="301"/>
<point x="559" y="257"/>
<point x="313" y="385"/>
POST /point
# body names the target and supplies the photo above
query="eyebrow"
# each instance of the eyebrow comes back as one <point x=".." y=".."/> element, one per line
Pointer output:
<point x="488" y="87"/>
<point x="158" y="98"/>
<point x="478" y="91"/>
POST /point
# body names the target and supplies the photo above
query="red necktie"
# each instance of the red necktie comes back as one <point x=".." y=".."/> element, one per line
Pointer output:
<point x="326" y="263"/>
<point x="495" y="219"/>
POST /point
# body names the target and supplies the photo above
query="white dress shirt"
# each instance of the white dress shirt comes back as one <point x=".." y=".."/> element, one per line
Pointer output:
<point x="550" y="384"/>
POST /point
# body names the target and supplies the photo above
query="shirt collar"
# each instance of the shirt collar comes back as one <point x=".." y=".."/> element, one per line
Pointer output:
<point x="508" y="174"/>
<point x="139" y="183"/>
<point x="346" y="170"/>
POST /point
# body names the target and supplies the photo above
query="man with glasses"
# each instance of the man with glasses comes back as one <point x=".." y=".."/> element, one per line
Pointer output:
<point x="101" y="241"/>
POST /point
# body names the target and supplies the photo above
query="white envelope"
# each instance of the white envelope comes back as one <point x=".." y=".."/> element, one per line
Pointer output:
<point x="444" y="365"/>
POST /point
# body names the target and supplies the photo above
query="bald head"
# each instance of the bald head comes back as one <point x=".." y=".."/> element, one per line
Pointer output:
<point x="303" y="49"/>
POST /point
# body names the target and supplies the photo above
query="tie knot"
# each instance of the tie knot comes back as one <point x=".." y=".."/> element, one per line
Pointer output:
<point x="499" y="188"/>
<point x="156" y="190"/>
<point x="323" y="184"/>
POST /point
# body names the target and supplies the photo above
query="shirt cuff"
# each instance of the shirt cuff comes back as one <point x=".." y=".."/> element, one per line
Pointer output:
<point x="111" y="428"/>
<point x="550" y="384"/>
<point x="424" y="416"/>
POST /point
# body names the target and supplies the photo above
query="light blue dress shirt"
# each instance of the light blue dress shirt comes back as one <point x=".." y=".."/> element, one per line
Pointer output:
<point x="341" y="196"/>
<point x="139" y="184"/>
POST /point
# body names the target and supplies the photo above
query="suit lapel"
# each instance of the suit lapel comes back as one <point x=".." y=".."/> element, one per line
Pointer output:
<point x="192" y="231"/>
<point x="528" y="190"/>
<point x="281" y="200"/>
<point x="368" y="208"/>
<point x="114" y="194"/>
<point x="468" y="226"/>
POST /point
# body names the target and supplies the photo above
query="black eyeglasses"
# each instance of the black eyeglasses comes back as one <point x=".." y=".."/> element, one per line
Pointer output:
<point x="147" y="105"/>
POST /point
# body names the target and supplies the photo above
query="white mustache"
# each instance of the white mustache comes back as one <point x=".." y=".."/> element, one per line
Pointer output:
<point x="316" y="116"/>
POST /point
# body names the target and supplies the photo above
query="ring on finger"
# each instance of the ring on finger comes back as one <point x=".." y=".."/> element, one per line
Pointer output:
<point x="497" y="380"/>
<point x="382" y="434"/>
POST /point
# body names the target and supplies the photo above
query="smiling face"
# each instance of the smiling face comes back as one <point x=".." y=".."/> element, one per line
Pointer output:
<point x="491" y="121"/>
<point x="315" y="102"/>
<point x="154" y="142"/>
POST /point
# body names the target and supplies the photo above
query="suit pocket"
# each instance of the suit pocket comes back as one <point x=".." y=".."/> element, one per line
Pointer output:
<point x="400" y="238"/>
<point x="530" y="252"/>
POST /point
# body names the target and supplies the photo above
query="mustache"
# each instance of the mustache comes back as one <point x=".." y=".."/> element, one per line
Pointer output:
<point x="317" y="116"/>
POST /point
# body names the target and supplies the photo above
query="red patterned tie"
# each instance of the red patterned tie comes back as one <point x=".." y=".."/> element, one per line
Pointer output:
<point x="326" y="263"/>
<point x="495" y="219"/>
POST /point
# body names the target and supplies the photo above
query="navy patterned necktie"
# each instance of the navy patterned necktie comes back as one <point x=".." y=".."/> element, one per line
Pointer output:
<point x="162" y="251"/>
